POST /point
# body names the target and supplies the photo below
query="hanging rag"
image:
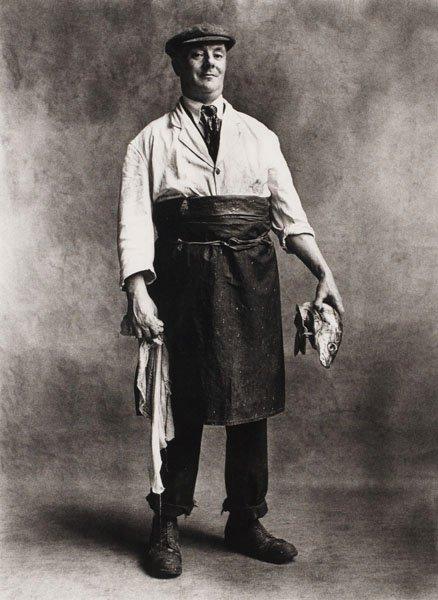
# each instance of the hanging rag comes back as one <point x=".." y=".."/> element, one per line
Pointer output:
<point x="153" y="386"/>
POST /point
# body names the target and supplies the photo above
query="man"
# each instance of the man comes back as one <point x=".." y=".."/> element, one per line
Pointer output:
<point x="212" y="182"/>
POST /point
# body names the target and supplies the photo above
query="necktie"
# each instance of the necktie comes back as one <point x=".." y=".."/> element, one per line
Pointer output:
<point x="212" y="128"/>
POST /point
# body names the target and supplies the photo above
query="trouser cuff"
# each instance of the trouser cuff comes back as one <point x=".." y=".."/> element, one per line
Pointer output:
<point x="159" y="505"/>
<point x="245" y="513"/>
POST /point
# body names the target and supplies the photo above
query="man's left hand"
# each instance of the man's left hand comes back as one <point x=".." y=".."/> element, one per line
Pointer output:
<point x="328" y="292"/>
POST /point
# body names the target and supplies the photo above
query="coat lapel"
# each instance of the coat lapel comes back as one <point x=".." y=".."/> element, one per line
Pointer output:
<point x="189" y="134"/>
<point x="191" y="137"/>
<point x="230" y="133"/>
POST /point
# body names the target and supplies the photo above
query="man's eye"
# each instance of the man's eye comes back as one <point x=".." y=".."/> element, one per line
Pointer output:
<point x="218" y="55"/>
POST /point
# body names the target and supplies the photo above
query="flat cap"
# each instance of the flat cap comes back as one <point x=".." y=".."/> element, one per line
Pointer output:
<point x="202" y="32"/>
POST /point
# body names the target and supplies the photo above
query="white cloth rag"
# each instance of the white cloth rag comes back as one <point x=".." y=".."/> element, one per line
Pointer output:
<point x="153" y="384"/>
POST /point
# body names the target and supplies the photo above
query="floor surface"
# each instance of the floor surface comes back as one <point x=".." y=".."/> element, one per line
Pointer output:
<point x="89" y="545"/>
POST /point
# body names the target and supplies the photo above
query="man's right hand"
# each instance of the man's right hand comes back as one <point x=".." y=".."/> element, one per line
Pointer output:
<point x="142" y="310"/>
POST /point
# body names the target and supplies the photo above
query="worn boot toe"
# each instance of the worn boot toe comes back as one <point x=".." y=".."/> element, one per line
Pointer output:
<point x="164" y="563"/>
<point x="253" y="540"/>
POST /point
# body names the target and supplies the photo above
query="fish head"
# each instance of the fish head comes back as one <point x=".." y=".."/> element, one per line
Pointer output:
<point x="328" y="334"/>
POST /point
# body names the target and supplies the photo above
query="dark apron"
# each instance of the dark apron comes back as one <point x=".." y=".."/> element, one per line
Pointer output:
<point x="217" y="291"/>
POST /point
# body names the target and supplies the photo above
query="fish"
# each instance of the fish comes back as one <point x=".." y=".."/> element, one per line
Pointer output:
<point x="323" y="329"/>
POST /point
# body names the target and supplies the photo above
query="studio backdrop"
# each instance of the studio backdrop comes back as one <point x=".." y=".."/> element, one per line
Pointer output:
<point x="350" y="89"/>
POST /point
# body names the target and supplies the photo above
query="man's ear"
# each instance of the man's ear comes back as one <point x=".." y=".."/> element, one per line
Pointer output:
<point x="176" y="65"/>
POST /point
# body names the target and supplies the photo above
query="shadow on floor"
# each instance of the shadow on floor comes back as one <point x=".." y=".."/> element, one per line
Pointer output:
<point x="114" y="530"/>
<point x="193" y="537"/>
<point x="101" y="527"/>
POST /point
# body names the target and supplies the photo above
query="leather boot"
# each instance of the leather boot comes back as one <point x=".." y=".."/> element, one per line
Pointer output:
<point x="252" y="539"/>
<point x="164" y="554"/>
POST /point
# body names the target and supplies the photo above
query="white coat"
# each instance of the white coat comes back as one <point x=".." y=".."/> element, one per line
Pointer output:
<point x="169" y="158"/>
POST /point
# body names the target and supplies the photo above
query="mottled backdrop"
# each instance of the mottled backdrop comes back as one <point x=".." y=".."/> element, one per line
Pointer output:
<point x="351" y="90"/>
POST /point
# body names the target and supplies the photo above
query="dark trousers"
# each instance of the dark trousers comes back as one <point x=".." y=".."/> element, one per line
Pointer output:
<point x="246" y="470"/>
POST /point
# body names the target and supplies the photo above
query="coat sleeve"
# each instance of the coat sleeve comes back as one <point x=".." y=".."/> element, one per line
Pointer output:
<point x="288" y="216"/>
<point x="135" y="239"/>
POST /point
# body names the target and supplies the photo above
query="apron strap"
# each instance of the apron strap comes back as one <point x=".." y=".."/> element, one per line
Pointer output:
<point x="232" y="242"/>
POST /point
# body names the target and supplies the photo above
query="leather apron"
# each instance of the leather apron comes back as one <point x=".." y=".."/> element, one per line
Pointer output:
<point x="217" y="291"/>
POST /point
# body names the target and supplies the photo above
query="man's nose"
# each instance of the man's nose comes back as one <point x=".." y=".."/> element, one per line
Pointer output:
<point x="208" y="60"/>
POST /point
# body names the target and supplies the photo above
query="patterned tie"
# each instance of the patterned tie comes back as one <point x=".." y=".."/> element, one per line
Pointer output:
<point x="212" y="129"/>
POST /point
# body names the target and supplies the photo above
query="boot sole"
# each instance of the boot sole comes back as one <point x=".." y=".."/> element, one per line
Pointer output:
<point x="158" y="573"/>
<point x="257" y="556"/>
<point x="164" y="574"/>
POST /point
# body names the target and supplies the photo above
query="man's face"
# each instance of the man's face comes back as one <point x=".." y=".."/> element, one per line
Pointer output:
<point x="201" y="69"/>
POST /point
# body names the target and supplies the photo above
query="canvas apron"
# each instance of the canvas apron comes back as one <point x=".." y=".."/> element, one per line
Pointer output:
<point x="217" y="291"/>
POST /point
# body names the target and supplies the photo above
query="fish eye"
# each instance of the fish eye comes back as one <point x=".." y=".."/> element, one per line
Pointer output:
<point x="332" y="347"/>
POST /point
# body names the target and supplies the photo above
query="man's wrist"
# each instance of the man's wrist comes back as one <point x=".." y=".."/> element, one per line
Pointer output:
<point x="323" y="272"/>
<point x="135" y="282"/>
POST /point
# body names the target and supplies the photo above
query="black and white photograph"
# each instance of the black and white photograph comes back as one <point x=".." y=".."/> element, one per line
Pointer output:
<point x="218" y="299"/>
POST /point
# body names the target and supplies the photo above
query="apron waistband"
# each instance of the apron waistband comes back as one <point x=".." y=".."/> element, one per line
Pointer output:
<point x="200" y="208"/>
<point x="232" y="242"/>
<point x="235" y="221"/>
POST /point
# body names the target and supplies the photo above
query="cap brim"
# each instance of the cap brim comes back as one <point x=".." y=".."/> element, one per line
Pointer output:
<point x="209" y="38"/>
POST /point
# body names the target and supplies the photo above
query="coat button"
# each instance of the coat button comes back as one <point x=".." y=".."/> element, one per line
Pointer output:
<point x="218" y="171"/>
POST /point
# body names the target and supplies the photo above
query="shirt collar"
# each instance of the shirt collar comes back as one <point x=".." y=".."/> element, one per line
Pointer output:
<point x="195" y="107"/>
